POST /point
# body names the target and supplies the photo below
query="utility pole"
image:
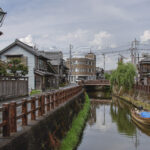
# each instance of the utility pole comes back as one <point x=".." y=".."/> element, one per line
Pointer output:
<point x="2" y="16"/>
<point x="134" y="51"/>
<point x="104" y="60"/>
<point x="70" y="52"/>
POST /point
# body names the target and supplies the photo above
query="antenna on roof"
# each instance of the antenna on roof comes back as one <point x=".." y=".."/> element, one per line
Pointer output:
<point x="35" y="47"/>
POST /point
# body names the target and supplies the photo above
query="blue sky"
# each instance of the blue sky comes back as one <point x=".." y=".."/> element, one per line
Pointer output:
<point x="98" y="24"/>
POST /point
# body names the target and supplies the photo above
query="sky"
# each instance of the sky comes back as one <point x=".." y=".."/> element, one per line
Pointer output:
<point x="98" y="25"/>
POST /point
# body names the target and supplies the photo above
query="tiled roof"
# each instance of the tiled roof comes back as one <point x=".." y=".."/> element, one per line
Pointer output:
<point x="28" y="48"/>
<point x="145" y="60"/>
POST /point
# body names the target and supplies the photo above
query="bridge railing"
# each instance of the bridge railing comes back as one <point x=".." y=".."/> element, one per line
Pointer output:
<point x="95" y="82"/>
<point x="35" y="107"/>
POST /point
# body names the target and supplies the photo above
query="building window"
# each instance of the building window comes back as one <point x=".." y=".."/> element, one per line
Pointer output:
<point x="76" y="70"/>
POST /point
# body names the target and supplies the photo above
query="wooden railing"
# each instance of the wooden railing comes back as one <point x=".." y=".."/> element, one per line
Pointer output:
<point x="36" y="107"/>
<point x="143" y="88"/>
<point x="96" y="82"/>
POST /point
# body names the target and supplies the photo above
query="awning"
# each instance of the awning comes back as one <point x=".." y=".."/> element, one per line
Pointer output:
<point x="42" y="73"/>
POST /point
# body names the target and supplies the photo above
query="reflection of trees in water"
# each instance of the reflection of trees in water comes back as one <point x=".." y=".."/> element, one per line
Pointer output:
<point x="120" y="115"/>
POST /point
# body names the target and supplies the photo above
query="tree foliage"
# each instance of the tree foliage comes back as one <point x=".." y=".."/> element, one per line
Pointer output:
<point x="16" y="68"/>
<point x="3" y="67"/>
<point x="123" y="76"/>
<point x="107" y="76"/>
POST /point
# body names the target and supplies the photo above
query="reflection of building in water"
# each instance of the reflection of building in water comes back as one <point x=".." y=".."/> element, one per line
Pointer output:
<point x="92" y="118"/>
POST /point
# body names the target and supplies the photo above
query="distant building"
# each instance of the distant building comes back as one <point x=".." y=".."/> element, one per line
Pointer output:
<point x="56" y="59"/>
<point x="42" y="74"/>
<point x="82" y="68"/>
<point x="144" y="71"/>
<point x="99" y="73"/>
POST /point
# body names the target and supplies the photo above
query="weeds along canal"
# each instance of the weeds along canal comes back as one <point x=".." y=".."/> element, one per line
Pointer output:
<point x="109" y="127"/>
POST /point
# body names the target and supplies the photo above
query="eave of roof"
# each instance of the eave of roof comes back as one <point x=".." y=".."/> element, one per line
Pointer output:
<point x="28" y="48"/>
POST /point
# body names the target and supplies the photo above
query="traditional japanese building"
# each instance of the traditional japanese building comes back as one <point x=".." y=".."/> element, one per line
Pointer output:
<point x="56" y="59"/>
<point x="41" y="74"/>
<point x="144" y="71"/>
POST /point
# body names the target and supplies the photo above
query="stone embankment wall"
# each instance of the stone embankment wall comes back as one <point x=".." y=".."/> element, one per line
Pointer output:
<point x="46" y="132"/>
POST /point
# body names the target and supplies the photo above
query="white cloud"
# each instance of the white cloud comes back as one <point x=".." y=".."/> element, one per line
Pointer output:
<point x="102" y="40"/>
<point x="79" y="35"/>
<point x="28" y="40"/>
<point x="146" y="36"/>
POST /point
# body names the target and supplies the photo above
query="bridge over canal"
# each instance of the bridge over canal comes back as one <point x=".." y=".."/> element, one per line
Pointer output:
<point x="96" y="82"/>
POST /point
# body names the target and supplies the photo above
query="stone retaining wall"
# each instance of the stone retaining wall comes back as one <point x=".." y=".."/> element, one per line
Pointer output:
<point x="46" y="132"/>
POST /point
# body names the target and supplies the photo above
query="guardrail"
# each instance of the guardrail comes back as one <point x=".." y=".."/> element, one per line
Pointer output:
<point x="38" y="107"/>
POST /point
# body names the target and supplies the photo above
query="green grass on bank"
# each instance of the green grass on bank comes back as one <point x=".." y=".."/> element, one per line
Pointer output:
<point x="72" y="138"/>
<point x="33" y="92"/>
<point x="137" y="103"/>
<point x="63" y="84"/>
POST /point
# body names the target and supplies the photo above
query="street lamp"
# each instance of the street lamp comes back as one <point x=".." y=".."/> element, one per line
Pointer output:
<point x="2" y="16"/>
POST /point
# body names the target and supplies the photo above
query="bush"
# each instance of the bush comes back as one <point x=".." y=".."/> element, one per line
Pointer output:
<point x="16" y="68"/>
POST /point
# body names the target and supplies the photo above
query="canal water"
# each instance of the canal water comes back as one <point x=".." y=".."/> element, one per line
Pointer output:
<point x="110" y="127"/>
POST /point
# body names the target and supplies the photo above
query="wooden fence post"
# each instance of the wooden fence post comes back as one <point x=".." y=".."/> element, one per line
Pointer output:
<point x="48" y="101"/>
<point x="43" y="104"/>
<point x="52" y="100"/>
<point x="24" y="112"/>
<point x="6" y="127"/>
<point x="13" y="121"/>
<point x="65" y="96"/>
<point x="59" y="98"/>
<point x="55" y="99"/>
<point x="40" y="106"/>
<point x="33" y="107"/>
<point x="62" y="100"/>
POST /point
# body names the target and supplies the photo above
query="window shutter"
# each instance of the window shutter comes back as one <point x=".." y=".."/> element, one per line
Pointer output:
<point x="24" y="60"/>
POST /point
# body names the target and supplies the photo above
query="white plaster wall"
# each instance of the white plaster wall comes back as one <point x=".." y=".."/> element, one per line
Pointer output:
<point x="30" y="62"/>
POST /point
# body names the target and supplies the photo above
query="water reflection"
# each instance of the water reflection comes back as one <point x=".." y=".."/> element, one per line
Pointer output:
<point x="100" y="94"/>
<point x="119" y="112"/>
<point x="110" y="128"/>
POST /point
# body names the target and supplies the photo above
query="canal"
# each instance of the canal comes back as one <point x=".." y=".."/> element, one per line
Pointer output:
<point x="109" y="127"/>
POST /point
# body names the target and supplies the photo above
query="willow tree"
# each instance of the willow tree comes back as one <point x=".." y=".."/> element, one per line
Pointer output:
<point x="123" y="76"/>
